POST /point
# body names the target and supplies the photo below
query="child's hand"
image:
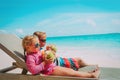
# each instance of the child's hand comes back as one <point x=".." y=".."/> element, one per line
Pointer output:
<point x="43" y="54"/>
<point x="48" y="61"/>
<point x="49" y="56"/>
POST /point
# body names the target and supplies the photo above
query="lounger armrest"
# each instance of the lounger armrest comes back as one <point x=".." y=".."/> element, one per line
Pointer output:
<point x="7" y="69"/>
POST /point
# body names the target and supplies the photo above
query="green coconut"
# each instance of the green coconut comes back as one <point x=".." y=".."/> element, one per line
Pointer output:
<point x="50" y="55"/>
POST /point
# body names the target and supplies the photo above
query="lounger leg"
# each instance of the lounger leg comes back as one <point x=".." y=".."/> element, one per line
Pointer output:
<point x="24" y="71"/>
<point x="8" y="69"/>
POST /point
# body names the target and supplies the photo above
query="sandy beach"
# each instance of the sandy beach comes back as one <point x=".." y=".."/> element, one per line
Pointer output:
<point x="6" y="61"/>
<point x="104" y="58"/>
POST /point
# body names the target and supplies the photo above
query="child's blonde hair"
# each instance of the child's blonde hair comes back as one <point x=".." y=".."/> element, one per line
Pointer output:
<point x="28" y="40"/>
<point x="52" y="47"/>
<point x="39" y="34"/>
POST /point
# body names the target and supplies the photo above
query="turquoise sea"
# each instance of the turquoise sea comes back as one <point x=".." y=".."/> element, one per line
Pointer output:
<point x="97" y="40"/>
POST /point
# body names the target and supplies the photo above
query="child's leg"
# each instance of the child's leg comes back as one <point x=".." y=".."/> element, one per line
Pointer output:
<point x="81" y="63"/>
<point x="62" y="71"/>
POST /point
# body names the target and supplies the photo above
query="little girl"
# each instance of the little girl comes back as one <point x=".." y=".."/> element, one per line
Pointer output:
<point x="36" y="64"/>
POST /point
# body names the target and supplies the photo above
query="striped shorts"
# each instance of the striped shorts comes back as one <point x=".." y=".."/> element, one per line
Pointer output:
<point x="67" y="62"/>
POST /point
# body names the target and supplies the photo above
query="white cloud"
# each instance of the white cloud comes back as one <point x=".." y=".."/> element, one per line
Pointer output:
<point x="66" y="21"/>
<point x="44" y="22"/>
<point x="91" y="22"/>
<point x="79" y="23"/>
<point x="20" y="31"/>
<point x="116" y="21"/>
<point x="60" y="20"/>
<point x="69" y="19"/>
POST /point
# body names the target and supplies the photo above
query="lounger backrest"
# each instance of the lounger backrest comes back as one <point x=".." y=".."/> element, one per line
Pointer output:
<point x="12" y="45"/>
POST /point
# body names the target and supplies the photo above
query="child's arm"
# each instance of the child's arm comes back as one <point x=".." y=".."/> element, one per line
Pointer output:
<point x="32" y="66"/>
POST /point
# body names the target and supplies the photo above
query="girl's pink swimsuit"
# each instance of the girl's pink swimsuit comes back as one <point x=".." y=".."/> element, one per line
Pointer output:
<point x="35" y="65"/>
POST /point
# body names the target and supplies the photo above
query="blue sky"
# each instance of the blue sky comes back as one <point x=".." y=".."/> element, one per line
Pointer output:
<point x="60" y="17"/>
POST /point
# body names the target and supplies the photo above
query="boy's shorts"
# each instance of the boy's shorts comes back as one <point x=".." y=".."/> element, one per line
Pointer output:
<point x="67" y="62"/>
